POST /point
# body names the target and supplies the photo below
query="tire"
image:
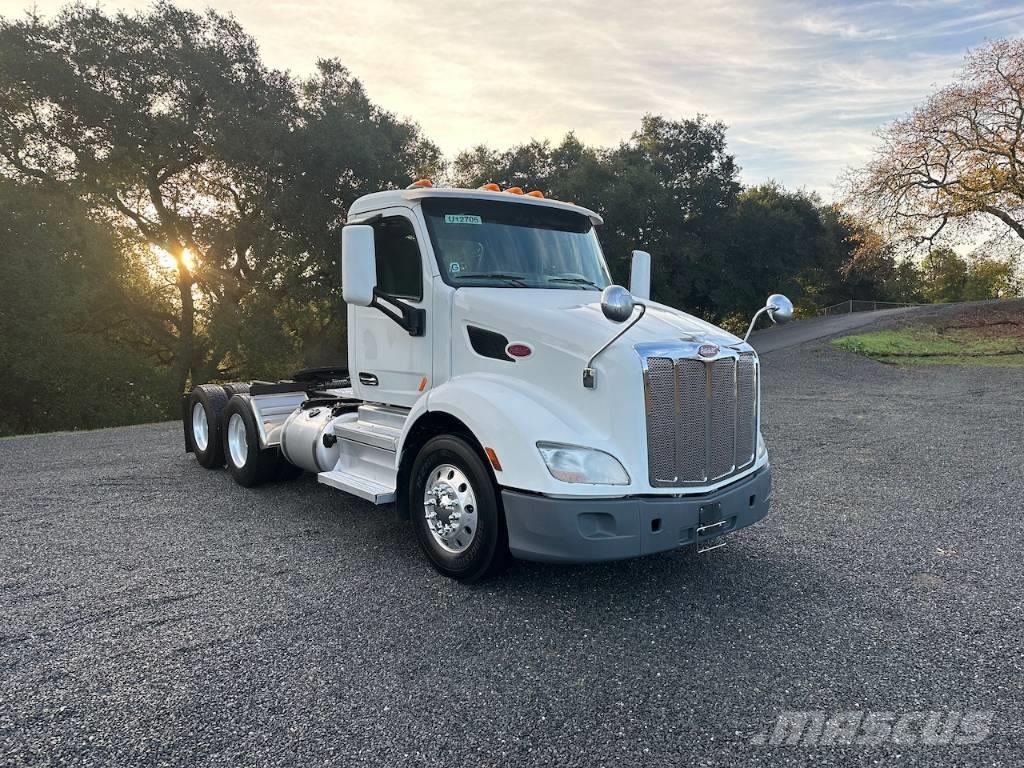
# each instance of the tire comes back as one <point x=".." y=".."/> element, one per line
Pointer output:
<point x="249" y="464"/>
<point x="204" y="422"/>
<point x="236" y="388"/>
<point x="462" y="490"/>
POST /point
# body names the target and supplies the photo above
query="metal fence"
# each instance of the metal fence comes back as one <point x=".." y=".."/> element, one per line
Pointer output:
<point x="858" y="305"/>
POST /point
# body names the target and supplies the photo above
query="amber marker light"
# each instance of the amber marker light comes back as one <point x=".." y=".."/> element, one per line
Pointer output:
<point x="493" y="458"/>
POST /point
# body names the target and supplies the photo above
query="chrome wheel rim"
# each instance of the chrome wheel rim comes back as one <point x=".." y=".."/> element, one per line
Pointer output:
<point x="238" y="446"/>
<point x="200" y="427"/>
<point x="449" y="505"/>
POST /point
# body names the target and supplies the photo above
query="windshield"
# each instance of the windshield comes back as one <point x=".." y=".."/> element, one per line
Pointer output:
<point x="506" y="244"/>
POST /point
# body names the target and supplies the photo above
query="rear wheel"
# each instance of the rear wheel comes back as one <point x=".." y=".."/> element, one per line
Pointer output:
<point x="236" y="388"/>
<point x="456" y="511"/>
<point x="204" y="419"/>
<point x="248" y="463"/>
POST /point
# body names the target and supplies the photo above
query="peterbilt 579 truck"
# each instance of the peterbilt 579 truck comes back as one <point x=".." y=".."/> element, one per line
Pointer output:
<point x="505" y="396"/>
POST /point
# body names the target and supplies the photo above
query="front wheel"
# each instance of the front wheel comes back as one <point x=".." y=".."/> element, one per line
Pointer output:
<point x="456" y="511"/>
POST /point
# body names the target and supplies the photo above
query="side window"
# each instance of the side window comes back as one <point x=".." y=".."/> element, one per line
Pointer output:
<point x="399" y="268"/>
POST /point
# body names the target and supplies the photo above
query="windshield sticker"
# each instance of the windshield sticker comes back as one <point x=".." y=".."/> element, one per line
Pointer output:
<point x="461" y="218"/>
<point x="455" y="267"/>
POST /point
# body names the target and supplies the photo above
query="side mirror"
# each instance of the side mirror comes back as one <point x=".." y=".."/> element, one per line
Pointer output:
<point x="779" y="309"/>
<point x="640" y="275"/>
<point x="358" y="265"/>
<point x="617" y="303"/>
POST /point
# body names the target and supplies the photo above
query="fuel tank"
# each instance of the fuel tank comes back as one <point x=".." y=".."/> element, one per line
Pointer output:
<point x="303" y="439"/>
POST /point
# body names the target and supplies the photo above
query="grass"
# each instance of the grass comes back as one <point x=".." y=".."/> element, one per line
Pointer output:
<point x="925" y="345"/>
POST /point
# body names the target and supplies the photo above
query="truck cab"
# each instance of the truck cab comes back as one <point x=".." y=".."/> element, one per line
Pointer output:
<point x="511" y="400"/>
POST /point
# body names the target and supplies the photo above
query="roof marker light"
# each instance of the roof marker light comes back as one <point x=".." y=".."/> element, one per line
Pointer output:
<point x="492" y="187"/>
<point x="515" y="190"/>
<point x="420" y="183"/>
<point x="536" y="193"/>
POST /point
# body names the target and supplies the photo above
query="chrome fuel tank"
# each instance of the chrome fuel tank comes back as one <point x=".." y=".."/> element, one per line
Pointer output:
<point x="303" y="443"/>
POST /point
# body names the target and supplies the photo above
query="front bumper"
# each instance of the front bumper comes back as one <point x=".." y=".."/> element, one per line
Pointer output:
<point x="589" y="530"/>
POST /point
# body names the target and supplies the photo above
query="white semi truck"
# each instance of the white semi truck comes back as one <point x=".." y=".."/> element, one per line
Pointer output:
<point x="505" y="395"/>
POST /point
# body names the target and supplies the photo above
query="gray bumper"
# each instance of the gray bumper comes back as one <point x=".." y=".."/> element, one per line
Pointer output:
<point x="586" y="530"/>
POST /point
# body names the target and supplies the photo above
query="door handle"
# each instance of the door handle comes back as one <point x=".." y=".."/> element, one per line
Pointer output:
<point x="368" y="379"/>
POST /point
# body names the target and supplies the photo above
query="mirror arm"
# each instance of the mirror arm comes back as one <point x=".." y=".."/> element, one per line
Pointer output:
<point x="589" y="374"/>
<point x="412" y="319"/>
<point x="753" y="320"/>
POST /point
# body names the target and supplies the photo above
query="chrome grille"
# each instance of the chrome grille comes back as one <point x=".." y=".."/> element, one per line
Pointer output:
<point x="661" y="405"/>
<point x="691" y="422"/>
<point x="746" y="410"/>
<point x="701" y="416"/>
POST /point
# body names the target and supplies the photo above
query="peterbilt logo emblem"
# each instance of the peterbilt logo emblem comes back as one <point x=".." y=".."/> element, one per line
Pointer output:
<point x="708" y="350"/>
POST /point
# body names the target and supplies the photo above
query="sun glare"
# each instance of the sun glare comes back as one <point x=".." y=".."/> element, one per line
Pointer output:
<point x="167" y="262"/>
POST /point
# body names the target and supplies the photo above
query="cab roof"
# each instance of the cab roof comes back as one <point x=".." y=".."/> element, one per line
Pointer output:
<point x="393" y="197"/>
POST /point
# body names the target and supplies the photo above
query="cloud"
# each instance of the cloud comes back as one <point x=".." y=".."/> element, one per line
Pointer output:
<point x="802" y="84"/>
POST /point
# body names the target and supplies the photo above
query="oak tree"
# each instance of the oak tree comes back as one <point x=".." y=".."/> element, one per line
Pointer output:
<point x="957" y="160"/>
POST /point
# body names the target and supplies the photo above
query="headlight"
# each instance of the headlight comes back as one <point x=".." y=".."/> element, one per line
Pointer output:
<point x="576" y="464"/>
<point x="762" y="449"/>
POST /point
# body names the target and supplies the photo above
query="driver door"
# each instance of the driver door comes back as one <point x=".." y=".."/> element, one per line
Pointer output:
<point x="388" y="365"/>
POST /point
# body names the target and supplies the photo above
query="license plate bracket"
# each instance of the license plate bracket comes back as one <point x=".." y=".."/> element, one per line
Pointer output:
<point x="711" y="526"/>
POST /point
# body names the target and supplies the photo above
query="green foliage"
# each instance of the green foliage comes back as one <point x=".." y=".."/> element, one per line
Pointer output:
<point x="947" y="277"/>
<point x="170" y="127"/>
<point x="64" y="305"/>
<point x="990" y="278"/>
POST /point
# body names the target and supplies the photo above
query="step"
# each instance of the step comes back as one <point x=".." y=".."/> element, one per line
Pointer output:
<point x="362" y="487"/>
<point x="377" y="435"/>
<point x="384" y="415"/>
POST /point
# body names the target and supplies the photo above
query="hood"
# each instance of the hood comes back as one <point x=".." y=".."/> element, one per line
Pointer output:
<point x="572" y="321"/>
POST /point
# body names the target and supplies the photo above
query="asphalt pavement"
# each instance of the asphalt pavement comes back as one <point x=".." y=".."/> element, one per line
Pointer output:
<point x="778" y="337"/>
<point x="154" y="613"/>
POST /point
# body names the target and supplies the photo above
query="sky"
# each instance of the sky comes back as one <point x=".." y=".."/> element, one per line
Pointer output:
<point x="801" y="85"/>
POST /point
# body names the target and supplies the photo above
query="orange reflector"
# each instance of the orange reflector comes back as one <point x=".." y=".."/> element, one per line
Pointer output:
<point x="421" y="183"/>
<point x="515" y="190"/>
<point x="535" y="193"/>
<point x="492" y="187"/>
<point x="423" y="383"/>
<point x="493" y="458"/>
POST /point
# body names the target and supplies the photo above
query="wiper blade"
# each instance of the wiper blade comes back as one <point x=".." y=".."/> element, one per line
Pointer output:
<point x="511" y="279"/>
<point x="575" y="280"/>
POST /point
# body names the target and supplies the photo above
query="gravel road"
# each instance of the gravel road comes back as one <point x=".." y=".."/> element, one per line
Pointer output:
<point x="154" y="613"/>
